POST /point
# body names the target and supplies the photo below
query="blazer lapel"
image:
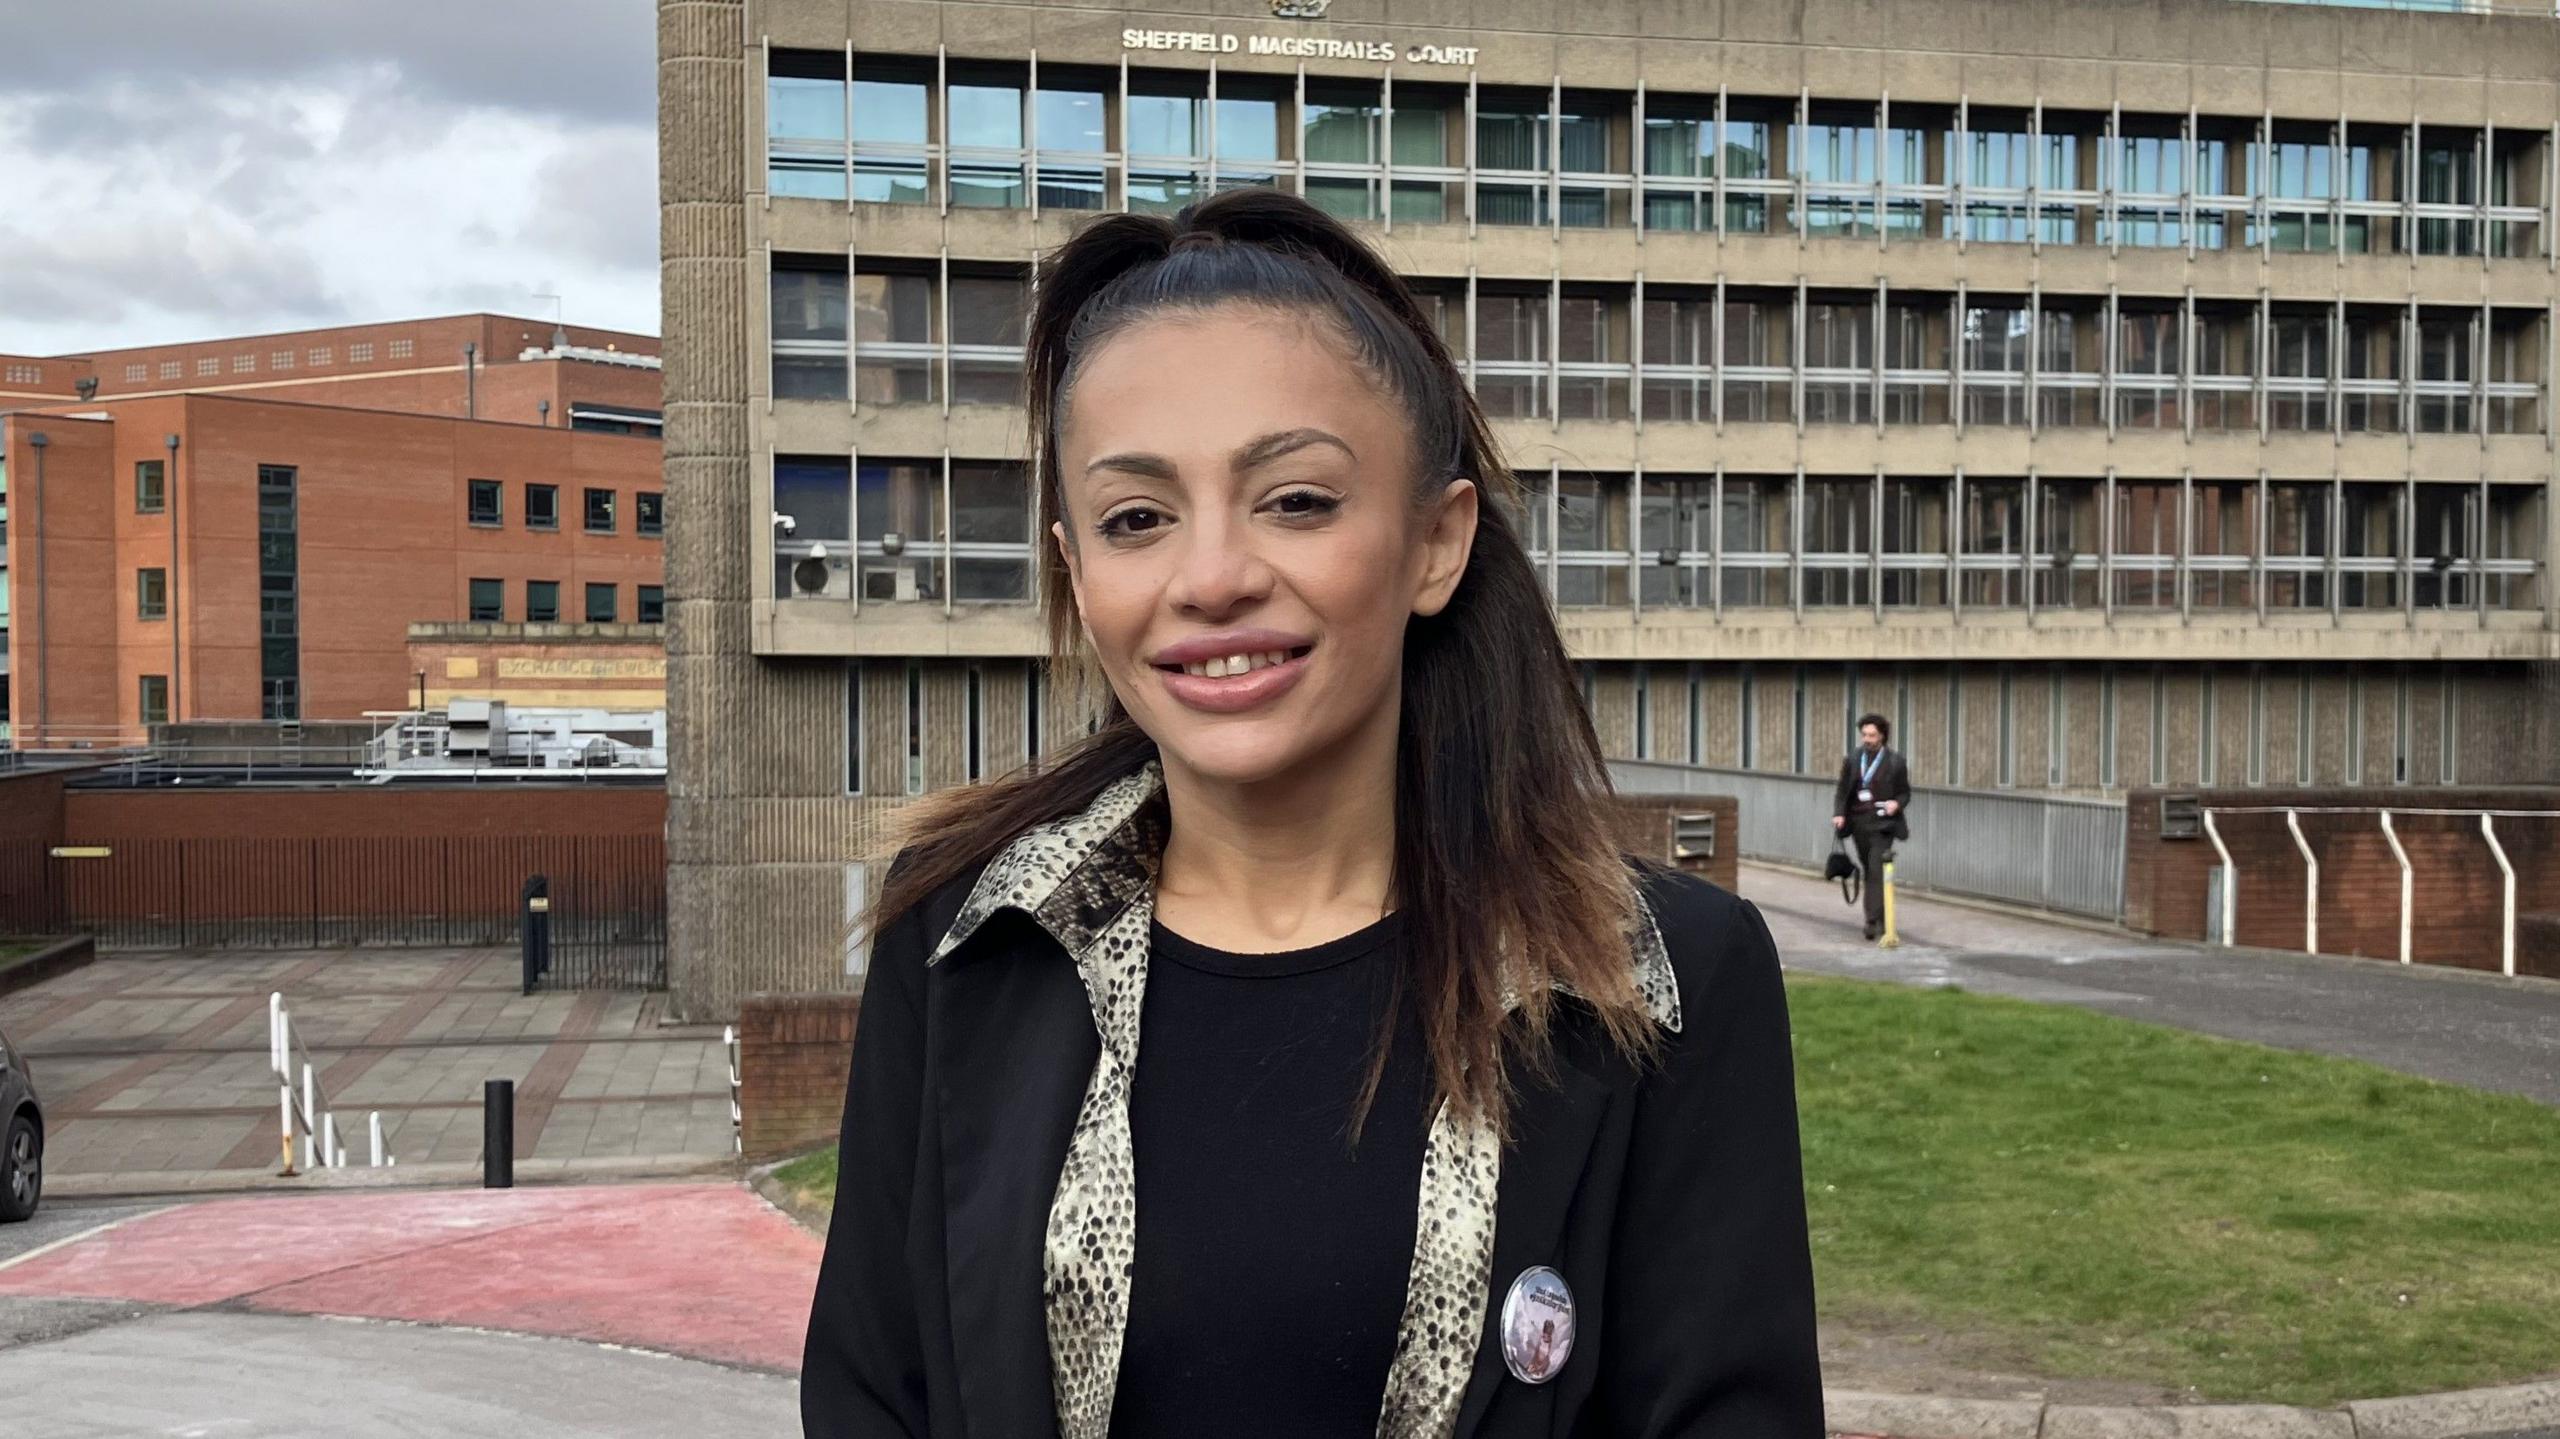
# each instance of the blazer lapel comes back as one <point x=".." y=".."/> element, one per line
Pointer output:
<point x="1554" y="1125"/>
<point x="1005" y="1126"/>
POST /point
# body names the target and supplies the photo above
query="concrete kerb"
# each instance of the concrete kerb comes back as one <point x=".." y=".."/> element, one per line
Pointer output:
<point x="781" y="1196"/>
<point x="60" y="957"/>
<point x="585" y="1170"/>
<point x="2002" y="908"/>
<point x="2458" y="1414"/>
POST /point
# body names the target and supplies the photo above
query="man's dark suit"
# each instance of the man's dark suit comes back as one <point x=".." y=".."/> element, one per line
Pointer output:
<point x="1869" y="827"/>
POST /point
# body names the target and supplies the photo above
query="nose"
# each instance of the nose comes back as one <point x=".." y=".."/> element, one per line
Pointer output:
<point x="1221" y="572"/>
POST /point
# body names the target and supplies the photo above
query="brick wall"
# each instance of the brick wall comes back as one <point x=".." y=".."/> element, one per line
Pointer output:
<point x="2455" y="885"/>
<point x="793" y="1054"/>
<point x="1646" y="825"/>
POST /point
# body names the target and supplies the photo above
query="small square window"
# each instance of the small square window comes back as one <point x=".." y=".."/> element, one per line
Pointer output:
<point x="151" y="594"/>
<point x="155" y="699"/>
<point x="488" y="599"/>
<point x="171" y="369"/>
<point x="319" y="355"/>
<point x="649" y="513"/>
<point x="542" y="507"/>
<point x="487" y="508"/>
<point x="541" y="602"/>
<point x="135" y="374"/>
<point x="402" y="349"/>
<point x="150" y="490"/>
<point x="603" y="604"/>
<point x="244" y="364"/>
<point x="599" y="512"/>
<point x="361" y="354"/>
<point x="280" y="360"/>
<point x="207" y="368"/>
<point x="653" y="605"/>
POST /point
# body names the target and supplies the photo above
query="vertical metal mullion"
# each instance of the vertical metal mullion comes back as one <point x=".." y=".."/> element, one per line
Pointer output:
<point x="1555" y="347"/>
<point x="2483" y="151"/>
<point x="2338" y="189"/>
<point x="2187" y="362"/>
<point x="2107" y="549"/>
<point x="1635" y="355"/>
<point x="1795" y="162"/>
<point x="2110" y="176"/>
<point x="2110" y="329"/>
<point x="2480" y="375"/>
<point x="1471" y="152"/>
<point x="2258" y="554"/>
<point x="1795" y="355"/>
<point x="848" y="122"/>
<point x="1555" y="154"/>
<point x="1299" y="147"/>
<point x="1555" y="513"/>
<point x="1634" y="556"/>
<point x="852" y="340"/>
<point x="1386" y="151"/>
<point x="2337" y="533"/>
<point x="2411" y="137"/>
<point x="2409" y="370"/>
<point x="2338" y="368"/>
<point x="938" y="145"/>
<point x="1715" y="332"/>
<point x="1635" y="164"/>
<point x="2408" y="547"/>
<point x="1031" y="138"/>
<point x="2266" y="357"/>
<point x="2035" y="559"/>
<point x="1875" y="547"/>
<point x="1473" y="325"/>
<point x="2187" y="167"/>
<point x="764" y="252"/>
<point x="2035" y="178"/>
<point x="1723" y="99"/>
<point x="1955" y="358"/>
<point x="1960" y="171"/>
<point x="942" y="331"/>
<point x="2035" y="357"/>
<point x="2480" y="551"/>
<point x="1956" y="513"/>
<point x="1715" y="542"/>
<point x="1876" y="361"/>
<point x="2261" y="208"/>
<point x="1884" y="125"/>
<point x="943" y="538"/>
<point x="2186" y="543"/>
<point x="1212" y="156"/>
<point x="1795" y="546"/>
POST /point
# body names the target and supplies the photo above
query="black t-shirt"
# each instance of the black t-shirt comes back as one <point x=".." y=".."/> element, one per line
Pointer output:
<point x="1272" y="1257"/>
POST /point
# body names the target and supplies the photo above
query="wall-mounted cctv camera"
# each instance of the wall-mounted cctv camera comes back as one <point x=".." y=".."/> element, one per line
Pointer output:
<point x="785" y="525"/>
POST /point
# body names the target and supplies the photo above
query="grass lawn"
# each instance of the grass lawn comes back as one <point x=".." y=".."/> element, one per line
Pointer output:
<point x="2109" y="1200"/>
<point x="2120" y="1201"/>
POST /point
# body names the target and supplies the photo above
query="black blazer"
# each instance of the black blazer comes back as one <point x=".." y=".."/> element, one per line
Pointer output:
<point x="1672" y="1200"/>
<point x="1892" y="781"/>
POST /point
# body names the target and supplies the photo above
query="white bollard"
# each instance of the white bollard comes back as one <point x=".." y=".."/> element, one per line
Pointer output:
<point x="374" y="1123"/>
<point x="310" y="1118"/>
<point x="284" y="1113"/>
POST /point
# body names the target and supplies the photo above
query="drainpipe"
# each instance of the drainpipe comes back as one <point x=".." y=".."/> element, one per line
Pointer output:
<point x="170" y="504"/>
<point x="44" y="610"/>
<point x="471" y="379"/>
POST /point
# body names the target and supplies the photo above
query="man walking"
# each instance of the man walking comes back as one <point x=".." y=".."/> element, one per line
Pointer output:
<point x="1868" y="806"/>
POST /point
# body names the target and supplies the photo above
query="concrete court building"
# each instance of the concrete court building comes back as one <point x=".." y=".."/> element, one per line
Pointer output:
<point x="2124" y="393"/>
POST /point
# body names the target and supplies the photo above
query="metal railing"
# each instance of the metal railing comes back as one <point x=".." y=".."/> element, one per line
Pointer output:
<point x="306" y="1118"/>
<point x="737" y="1112"/>
<point x="2052" y="852"/>
<point x="2495" y="848"/>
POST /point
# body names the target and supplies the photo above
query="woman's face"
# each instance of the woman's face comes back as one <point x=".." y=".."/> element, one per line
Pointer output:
<point x="1240" y="526"/>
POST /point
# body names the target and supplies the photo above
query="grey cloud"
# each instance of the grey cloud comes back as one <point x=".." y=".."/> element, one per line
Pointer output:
<point x="578" y="59"/>
<point x="599" y="204"/>
<point x="105" y="278"/>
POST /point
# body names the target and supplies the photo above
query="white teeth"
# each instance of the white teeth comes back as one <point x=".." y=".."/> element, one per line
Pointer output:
<point x="1227" y="665"/>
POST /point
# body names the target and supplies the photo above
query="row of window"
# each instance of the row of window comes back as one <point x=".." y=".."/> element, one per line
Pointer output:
<point x="1940" y="757"/>
<point x="542" y="602"/>
<point x="974" y="729"/>
<point x="278" y="361"/>
<point x="895" y="530"/>
<point x="1672" y="354"/>
<point x="1400" y="151"/>
<point x="487" y="508"/>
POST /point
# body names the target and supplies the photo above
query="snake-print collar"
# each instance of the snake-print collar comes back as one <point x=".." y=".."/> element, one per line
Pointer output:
<point x="1089" y="880"/>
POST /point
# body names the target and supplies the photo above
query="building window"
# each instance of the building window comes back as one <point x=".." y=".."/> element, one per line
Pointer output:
<point x="279" y="593"/>
<point x="990" y="531"/>
<point x="280" y="361"/>
<point x="915" y="728"/>
<point x="599" y="512"/>
<point x="975" y="738"/>
<point x="2107" y="729"/>
<point x="1697" y="717"/>
<point x="486" y="506"/>
<point x="1644" y="711"/>
<point x="319" y="355"/>
<point x="171" y="369"/>
<point x="809" y="315"/>
<point x="541" y="602"/>
<point x="1802" y="759"/>
<point x="542" y="507"/>
<point x="136" y="374"/>
<point x="853" y="726"/>
<point x="604" y="604"/>
<point x="150" y="487"/>
<point x="207" y="368"/>
<point x="244" y="364"/>
<point x="360" y="354"/>
<point x="1750" y="721"/>
<point x="155" y="699"/>
<point x="488" y="600"/>
<point x="151" y="594"/>
<point x="648" y="513"/>
<point x="652" y="605"/>
<point x="403" y="349"/>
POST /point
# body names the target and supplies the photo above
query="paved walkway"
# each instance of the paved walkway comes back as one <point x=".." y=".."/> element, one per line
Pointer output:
<point x="2460" y="1026"/>
<point x="229" y="1317"/>
<point x="156" y="1063"/>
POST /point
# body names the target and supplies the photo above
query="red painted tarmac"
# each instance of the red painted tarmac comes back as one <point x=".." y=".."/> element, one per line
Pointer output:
<point x="709" y="1271"/>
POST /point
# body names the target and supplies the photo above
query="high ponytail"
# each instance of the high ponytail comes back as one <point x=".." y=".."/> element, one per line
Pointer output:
<point x="1505" y="869"/>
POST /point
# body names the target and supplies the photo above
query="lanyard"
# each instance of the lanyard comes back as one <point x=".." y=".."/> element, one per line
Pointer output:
<point x="1867" y="770"/>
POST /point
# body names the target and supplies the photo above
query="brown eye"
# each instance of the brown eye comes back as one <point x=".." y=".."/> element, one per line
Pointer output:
<point x="1305" y="504"/>
<point x="1130" y="523"/>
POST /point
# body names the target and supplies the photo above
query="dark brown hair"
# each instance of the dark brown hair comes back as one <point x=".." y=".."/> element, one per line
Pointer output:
<point x="1505" y="870"/>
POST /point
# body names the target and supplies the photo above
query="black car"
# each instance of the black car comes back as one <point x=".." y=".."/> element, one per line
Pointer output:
<point x="21" y="1136"/>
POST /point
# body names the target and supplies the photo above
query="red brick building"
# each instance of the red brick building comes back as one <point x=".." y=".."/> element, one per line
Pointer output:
<point x="255" y="543"/>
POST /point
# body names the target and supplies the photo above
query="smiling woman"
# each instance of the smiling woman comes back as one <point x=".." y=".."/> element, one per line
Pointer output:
<point x="1422" y="1047"/>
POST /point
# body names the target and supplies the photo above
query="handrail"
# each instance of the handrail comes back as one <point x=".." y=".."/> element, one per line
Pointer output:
<point x="2507" y="921"/>
<point x="311" y="1121"/>
<point x="2393" y="838"/>
<point x="2310" y="886"/>
<point x="737" y="1115"/>
<point x="2230" y="880"/>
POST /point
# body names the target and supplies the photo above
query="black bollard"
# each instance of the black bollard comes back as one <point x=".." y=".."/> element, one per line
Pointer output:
<point x="498" y="1134"/>
<point x="535" y="925"/>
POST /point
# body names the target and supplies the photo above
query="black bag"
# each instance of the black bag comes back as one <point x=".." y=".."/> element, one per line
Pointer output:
<point x="1844" y="869"/>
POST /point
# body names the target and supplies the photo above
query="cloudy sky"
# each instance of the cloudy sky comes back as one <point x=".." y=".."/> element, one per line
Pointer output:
<point x="185" y="169"/>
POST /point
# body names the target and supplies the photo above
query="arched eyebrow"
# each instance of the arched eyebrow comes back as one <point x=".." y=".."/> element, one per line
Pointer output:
<point x="1251" y="455"/>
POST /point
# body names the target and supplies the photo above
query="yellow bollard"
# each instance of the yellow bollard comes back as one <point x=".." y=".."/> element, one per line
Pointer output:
<point x="1891" y="940"/>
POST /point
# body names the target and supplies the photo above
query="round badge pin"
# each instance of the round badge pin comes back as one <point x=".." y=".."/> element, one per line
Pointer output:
<point x="1537" y="1325"/>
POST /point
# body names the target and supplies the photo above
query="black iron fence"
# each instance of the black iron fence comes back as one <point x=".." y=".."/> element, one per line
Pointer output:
<point x="608" y="893"/>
